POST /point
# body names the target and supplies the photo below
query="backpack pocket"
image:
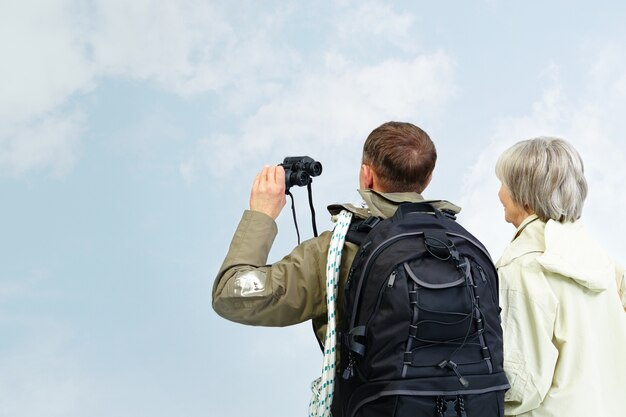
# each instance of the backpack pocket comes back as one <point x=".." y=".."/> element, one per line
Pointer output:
<point x="429" y="397"/>
<point x="445" y="333"/>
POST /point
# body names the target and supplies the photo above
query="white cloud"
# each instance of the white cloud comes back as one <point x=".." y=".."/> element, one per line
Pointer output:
<point x="164" y="41"/>
<point x="43" y="59"/>
<point x="47" y="143"/>
<point x="56" y="49"/>
<point x="375" y="20"/>
<point x="43" y="64"/>
<point x="191" y="47"/>
<point x="333" y="108"/>
<point x="188" y="46"/>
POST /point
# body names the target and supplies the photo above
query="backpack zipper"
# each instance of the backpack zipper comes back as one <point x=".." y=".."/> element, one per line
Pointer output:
<point x="361" y="253"/>
<point x="381" y="292"/>
<point x="349" y="371"/>
<point x="481" y="271"/>
<point x="392" y="279"/>
<point x="494" y="297"/>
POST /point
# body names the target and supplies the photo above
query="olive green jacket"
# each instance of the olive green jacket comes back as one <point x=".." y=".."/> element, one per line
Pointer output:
<point x="248" y="290"/>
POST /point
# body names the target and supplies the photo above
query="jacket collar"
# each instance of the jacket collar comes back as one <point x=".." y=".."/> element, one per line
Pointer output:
<point x="385" y="204"/>
<point x="528" y="220"/>
<point x="528" y="238"/>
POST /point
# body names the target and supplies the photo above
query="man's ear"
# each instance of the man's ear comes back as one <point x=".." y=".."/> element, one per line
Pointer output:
<point x="366" y="177"/>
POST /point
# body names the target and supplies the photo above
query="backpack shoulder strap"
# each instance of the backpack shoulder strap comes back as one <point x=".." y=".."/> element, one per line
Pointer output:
<point x="424" y="207"/>
<point x="360" y="227"/>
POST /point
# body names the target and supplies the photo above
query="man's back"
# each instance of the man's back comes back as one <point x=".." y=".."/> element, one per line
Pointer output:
<point x="397" y="164"/>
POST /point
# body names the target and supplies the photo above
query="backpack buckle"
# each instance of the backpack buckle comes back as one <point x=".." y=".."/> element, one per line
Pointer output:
<point x="368" y="224"/>
<point x="353" y="345"/>
<point x="449" y="214"/>
<point x="450" y="407"/>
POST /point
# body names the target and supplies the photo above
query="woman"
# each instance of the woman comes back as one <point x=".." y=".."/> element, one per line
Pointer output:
<point x="564" y="323"/>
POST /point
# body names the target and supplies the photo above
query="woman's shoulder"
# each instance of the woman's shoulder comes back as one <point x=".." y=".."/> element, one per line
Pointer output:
<point x="528" y="244"/>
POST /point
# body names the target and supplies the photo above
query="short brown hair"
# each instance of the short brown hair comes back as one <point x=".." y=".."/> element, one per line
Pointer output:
<point x="402" y="156"/>
<point x="546" y="174"/>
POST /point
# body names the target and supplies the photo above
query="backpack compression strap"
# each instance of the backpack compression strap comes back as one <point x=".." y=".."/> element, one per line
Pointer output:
<point x="323" y="387"/>
<point x="361" y="227"/>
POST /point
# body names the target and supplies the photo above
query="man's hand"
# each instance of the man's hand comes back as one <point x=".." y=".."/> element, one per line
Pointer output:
<point x="268" y="191"/>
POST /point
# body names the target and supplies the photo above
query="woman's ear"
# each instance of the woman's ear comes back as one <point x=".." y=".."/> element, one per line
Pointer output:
<point x="528" y="210"/>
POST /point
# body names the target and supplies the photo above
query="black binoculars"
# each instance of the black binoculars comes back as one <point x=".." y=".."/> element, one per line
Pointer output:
<point x="299" y="170"/>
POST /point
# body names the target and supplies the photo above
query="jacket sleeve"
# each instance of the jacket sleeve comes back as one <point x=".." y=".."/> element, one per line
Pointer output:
<point x="247" y="290"/>
<point x="528" y="320"/>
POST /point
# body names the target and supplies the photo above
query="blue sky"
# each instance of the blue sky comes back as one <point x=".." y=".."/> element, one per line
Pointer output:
<point x="130" y="133"/>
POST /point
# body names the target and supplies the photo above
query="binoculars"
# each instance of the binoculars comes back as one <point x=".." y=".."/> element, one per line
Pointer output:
<point x="299" y="170"/>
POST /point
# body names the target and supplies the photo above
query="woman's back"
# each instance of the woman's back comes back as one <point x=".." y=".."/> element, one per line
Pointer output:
<point x="564" y="325"/>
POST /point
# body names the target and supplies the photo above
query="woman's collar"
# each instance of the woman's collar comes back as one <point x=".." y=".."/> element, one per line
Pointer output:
<point x="528" y="220"/>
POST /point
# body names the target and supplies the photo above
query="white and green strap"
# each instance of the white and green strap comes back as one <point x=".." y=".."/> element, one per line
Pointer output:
<point x="323" y="387"/>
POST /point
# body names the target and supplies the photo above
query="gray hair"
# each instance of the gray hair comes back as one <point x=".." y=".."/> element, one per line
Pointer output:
<point x="546" y="175"/>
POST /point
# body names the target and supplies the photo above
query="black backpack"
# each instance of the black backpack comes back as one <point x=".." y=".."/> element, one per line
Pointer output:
<point x="421" y="332"/>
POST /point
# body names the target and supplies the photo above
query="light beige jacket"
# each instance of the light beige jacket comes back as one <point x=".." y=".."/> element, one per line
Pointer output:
<point x="564" y="324"/>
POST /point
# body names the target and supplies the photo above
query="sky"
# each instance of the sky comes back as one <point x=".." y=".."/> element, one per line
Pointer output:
<point x="130" y="133"/>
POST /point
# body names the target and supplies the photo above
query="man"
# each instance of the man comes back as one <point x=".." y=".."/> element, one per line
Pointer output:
<point x="397" y="165"/>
